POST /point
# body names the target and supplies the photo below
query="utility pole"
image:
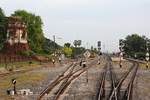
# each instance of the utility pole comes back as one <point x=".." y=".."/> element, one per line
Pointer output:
<point x="87" y="45"/>
<point x="53" y="60"/>
<point x="54" y="44"/>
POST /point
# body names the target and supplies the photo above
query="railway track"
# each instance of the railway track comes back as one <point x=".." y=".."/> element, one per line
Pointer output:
<point x="107" y="70"/>
<point x="116" y="84"/>
<point x="129" y="89"/>
<point x="64" y="80"/>
<point x="113" y="81"/>
<point x="133" y="71"/>
<point x="61" y="77"/>
<point x="101" y="92"/>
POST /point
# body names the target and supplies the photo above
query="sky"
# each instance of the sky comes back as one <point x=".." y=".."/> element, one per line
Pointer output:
<point x="88" y="20"/>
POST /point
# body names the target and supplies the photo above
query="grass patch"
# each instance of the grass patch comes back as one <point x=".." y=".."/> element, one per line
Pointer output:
<point x="23" y="80"/>
<point x="20" y="65"/>
<point x="143" y="66"/>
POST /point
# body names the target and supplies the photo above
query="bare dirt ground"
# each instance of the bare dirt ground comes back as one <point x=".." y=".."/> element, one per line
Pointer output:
<point x="142" y="85"/>
<point x="35" y="80"/>
<point x="85" y="86"/>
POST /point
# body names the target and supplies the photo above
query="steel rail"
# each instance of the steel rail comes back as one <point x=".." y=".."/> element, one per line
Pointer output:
<point x="129" y="90"/>
<point x="102" y="84"/>
<point x="120" y="82"/>
<point x="70" y="79"/>
<point x="55" y="82"/>
<point x="113" y="83"/>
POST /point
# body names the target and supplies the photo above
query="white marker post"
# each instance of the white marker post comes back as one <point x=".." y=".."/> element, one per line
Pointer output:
<point x="147" y="59"/>
<point x="121" y="55"/>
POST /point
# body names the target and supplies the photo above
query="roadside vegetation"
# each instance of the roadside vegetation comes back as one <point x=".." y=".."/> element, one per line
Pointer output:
<point x="135" y="46"/>
<point x="38" y="43"/>
<point x="23" y="80"/>
<point x="24" y="65"/>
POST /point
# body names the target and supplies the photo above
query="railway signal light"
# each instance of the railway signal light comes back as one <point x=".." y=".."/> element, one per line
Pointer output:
<point x="121" y="45"/>
<point x="14" y="83"/>
<point x="99" y="47"/>
<point x="99" y="44"/>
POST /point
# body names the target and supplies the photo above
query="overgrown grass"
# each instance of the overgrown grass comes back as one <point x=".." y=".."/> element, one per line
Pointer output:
<point x="143" y="66"/>
<point x="20" y="65"/>
<point x="25" y="80"/>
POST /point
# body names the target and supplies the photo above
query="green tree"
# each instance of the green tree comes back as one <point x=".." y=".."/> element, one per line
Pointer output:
<point x="3" y="22"/>
<point x="67" y="50"/>
<point x="50" y="46"/>
<point x="95" y="50"/>
<point x="79" y="43"/>
<point x="135" y="44"/>
<point x="34" y="28"/>
<point x="78" y="51"/>
<point x="67" y="45"/>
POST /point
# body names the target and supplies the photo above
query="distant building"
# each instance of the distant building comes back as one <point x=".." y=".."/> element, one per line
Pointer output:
<point x="16" y="36"/>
